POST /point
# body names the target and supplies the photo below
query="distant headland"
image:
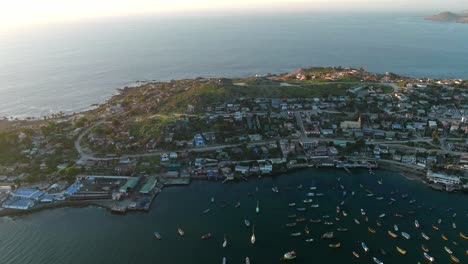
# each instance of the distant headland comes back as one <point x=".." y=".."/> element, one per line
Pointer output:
<point x="450" y="17"/>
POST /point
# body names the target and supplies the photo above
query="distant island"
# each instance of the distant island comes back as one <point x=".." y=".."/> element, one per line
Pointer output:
<point x="450" y="17"/>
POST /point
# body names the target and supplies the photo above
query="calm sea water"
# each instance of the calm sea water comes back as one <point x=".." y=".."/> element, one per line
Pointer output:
<point x="68" y="68"/>
<point x="92" y="235"/>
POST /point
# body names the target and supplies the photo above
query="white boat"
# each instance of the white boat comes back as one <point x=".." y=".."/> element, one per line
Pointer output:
<point x="252" y="238"/>
<point x="296" y="234"/>
<point x="363" y="212"/>
<point x="300" y="209"/>
<point x="212" y="199"/>
<point x="237" y="205"/>
<point x="246" y="222"/>
<point x="313" y="188"/>
<point x="416" y="223"/>
<point x="405" y="235"/>
<point x="180" y="231"/>
<point x="257" y="209"/>
<point x="310" y="194"/>
<point x="289" y="255"/>
<point x="314" y="205"/>
<point x="380" y="181"/>
<point x="376" y="260"/>
<point x="309" y="240"/>
<point x="224" y="260"/>
<point x="425" y="236"/>
<point x="364" y="247"/>
<point x="454" y="226"/>
<point x="448" y="250"/>
<point x="292" y="204"/>
<point x="356" y="221"/>
<point x="225" y="242"/>
<point x="382" y="215"/>
<point x="247" y="260"/>
<point x="344" y="213"/>
<point x="428" y="257"/>
<point x="206" y="211"/>
<point x="307" y="200"/>
<point x="379" y="198"/>
<point x="157" y="235"/>
<point x="395" y="227"/>
<point x="319" y="194"/>
<point x="275" y="189"/>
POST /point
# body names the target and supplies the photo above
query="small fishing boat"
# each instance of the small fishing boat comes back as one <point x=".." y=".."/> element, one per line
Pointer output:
<point x="291" y="224"/>
<point x="292" y="216"/>
<point x="257" y="209"/>
<point x="328" y="223"/>
<point x="412" y="201"/>
<point x="206" y="236"/>
<point x="356" y="221"/>
<point x="307" y="200"/>
<point x="299" y="186"/>
<point x="395" y="227"/>
<point x="398" y="215"/>
<point x="370" y="194"/>
<point x="315" y="220"/>
<point x="157" y="235"/>
<point x="380" y="181"/>
<point x="405" y="235"/>
<point x="356" y="255"/>
<point x="371" y="230"/>
<point x="301" y="219"/>
<point x="454" y="226"/>
<point x="393" y="235"/>
<point x="224" y="260"/>
<point x="366" y="249"/>
<point x="379" y="198"/>
<point x="448" y="250"/>
<point x="424" y="248"/>
<point x="247" y="260"/>
<point x="454" y="215"/>
<point x="439" y="221"/>
<point x="212" y="199"/>
<point x="237" y="205"/>
<point x="383" y="251"/>
<point x="225" y="242"/>
<point x="378" y="223"/>
<point x="376" y="260"/>
<point x="306" y="230"/>
<point x="402" y="251"/>
<point x="425" y="236"/>
<point x="463" y="236"/>
<point x="207" y="211"/>
<point x="429" y="258"/>
<point x="246" y="222"/>
<point x="296" y="234"/>
<point x="301" y="209"/>
<point x="337" y="245"/>
<point x="382" y="215"/>
<point x="319" y="194"/>
<point x="309" y="240"/>
<point x="342" y="202"/>
<point x="252" y="238"/>
<point x="444" y="237"/>
<point x="275" y="189"/>
<point x="363" y="212"/>
<point x="310" y="194"/>
<point x="314" y="205"/>
<point x="435" y="227"/>
<point x="328" y="235"/>
<point x="289" y="255"/>
<point x="342" y="229"/>
<point x="313" y="188"/>
<point x="344" y="213"/>
<point x="366" y="219"/>
<point x="337" y="209"/>
<point x="180" y="231"/>
<point x="416" y="223"/>
<point x="454" y="259"/>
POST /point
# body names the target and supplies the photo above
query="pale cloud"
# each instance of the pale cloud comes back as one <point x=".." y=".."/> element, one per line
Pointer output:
<point x="23" y="12"/>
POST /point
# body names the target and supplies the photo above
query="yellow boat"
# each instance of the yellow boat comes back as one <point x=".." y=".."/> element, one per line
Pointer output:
<point x="444" y="237"/>
<point x="371" y="230"/>
<point x="425" y="249"/>
<point x="454" y="259"/>
<point x="463" y="236"/>
<point x="435" y="227"/>
<point x="390" y="233"/>
<point x="402" y="251"/>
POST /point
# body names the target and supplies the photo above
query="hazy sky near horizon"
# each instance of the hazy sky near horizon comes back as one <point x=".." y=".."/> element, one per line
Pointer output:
<point x="32" y="12"/>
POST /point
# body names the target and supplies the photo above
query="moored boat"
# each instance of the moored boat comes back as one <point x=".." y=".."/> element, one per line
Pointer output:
<point x="252" y="238"/>
<point x="424" y="248"/>
<point x="435" y="227"/>
<point x="225" y="242"/>
<point x="356" y="255"/>
<point x="448" y="250"/>
<point x="371" y="230"/>
<point x="180" y="231"/>
<point x="289" y="255"/>
<point x="301" y="209"/>
<point x="382" y="215"/>
<point x="402" y="251"/>
<point x="454" y="226"/>
<point x="237" y="205"/>
<point x="363" y="212"/>
<point x="337" y="245"/>
<point x="307" y="200"/>
<point x="463" y="236"/>
<point x="328" y="235"/>
<point x="405" y="235"/>
<point x="416" y="223"/>
<point x="454" y="259"/>
<point x="395" y="227"/>
<point x="206" y="236"/>
<point x="342" y="229"/>
<point x="356" y="221"/>
<point x="291" y="224"/>
<point x="344" y="213"/>
<point x="309" y="240"/>
<point x="257" y="209"/>
<point x="425" y="236"/>
<point x="300" y="219"/>
<point x="292" y="216"/>
<point x="364" y="247"/>
<point x="275" y="189"/>
<point x="224" y="260"/>
<point x="207" y="210"/>
<point x="310" y="194"/>
<point x="376" y="260"/>
<point x="444" y="237"/>
<point x="314" y="205"/>
<point x="393" y="235"/>
<point x="315" y="220"/>
<point x="296" y="234"/>
<point x="247" y="260"/>
<point x="157" y="235"/>
<point x="246" y="222"/>
<point x="429" y="258"/>
<point x="292" y="204"/>
<point x="306" y="230"/>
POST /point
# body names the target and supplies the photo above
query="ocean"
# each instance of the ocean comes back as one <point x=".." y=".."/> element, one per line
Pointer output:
<point x="94" y="235"/>
<point x="71" y="67"/>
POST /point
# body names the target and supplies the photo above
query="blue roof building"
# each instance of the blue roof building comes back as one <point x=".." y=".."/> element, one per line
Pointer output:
<point x="27" y="193"/>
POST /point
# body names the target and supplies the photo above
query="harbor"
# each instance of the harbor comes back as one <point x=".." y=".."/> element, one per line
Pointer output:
<point x="278" y="199"/>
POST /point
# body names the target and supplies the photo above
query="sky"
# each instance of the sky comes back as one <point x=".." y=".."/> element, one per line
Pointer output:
<point x="16" y="13"/>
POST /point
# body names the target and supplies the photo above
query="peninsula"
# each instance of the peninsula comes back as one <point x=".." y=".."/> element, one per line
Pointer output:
<point x="122" y="153"/>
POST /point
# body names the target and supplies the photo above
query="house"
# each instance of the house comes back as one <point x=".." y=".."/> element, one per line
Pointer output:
<point x="241" y="169"/>
<point x="173" y="155"/>
<point x="266" y="168"/>
<point x="164" y="157"/>
<point x="198" y="140"/>
<point x="307" y="143"/>
<point x="443" y="179"/>
<point x="351" y="124"/>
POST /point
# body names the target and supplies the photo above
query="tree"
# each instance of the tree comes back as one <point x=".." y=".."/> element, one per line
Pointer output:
<point x="435" y="136"/>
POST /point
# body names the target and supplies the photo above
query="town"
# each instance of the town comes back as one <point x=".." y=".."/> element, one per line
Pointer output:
<point x="121" y="154"/>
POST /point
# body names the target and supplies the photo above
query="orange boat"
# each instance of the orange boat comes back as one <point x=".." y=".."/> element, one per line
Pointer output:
<point x="463" y="236"/>
<point x="435" y="227"/>
<point x="371" y="230"/>
<point x="390" y="233"/>
<point x="444" y="237"/>
<point x="454" y="259"/>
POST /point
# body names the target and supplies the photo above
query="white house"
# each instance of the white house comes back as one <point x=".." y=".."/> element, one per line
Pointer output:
<point x="442" y="178"/>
